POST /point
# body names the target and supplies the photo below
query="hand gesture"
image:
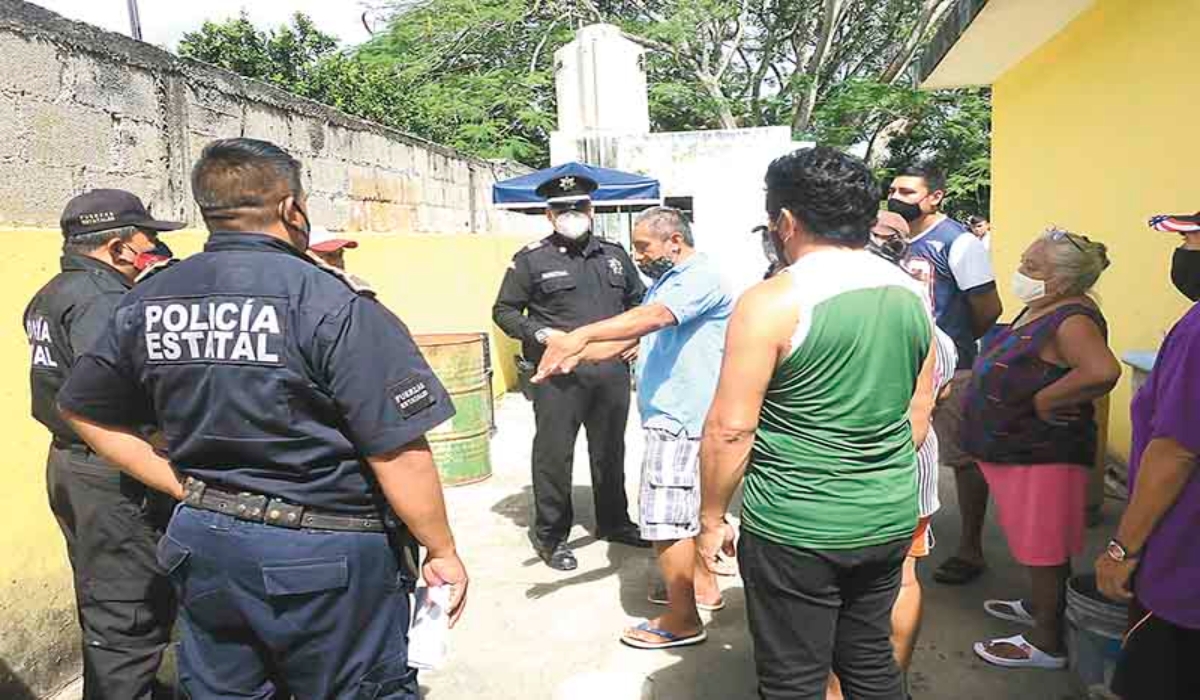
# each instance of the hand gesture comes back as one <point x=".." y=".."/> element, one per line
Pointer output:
<point x="561" y="355"/>
<point x="714" y="540"/>
<point x="1112" y="577"/>
<point x="1061" y="416"/>
<point x="448" y="571"/>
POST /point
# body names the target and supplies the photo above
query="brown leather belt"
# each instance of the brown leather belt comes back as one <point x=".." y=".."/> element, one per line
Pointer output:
<point x="258" y="508"/>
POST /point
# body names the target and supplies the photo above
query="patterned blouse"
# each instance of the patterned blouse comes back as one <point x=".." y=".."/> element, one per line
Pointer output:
<point x="1000" y="424"/>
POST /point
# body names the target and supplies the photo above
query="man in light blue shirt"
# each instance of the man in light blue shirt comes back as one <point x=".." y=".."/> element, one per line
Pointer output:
<point x="681" y="330"/>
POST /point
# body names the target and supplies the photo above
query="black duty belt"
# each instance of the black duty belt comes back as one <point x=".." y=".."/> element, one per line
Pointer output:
<point x="258" y="508"/>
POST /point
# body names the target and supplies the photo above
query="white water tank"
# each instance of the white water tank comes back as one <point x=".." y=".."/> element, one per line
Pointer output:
<point x="601" y="84"/>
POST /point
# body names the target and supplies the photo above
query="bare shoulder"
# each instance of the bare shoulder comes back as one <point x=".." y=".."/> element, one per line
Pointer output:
<point x="769" y="307"/>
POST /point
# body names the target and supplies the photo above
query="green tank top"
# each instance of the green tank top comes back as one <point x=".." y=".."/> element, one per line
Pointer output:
<point x="833" y="464"/>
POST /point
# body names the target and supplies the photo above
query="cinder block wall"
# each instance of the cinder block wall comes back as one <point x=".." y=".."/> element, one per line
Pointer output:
<point x="81" y="108"/>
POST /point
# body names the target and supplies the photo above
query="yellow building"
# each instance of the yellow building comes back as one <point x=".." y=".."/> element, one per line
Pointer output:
<point x="1094" y="111"/>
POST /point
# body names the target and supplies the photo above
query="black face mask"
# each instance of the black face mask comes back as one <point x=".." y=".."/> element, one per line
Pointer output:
<point x="1185" y="272"/>
<point x="911" y="212"/>
<point x="306" y="229"/>
<point x="656" y="268"/>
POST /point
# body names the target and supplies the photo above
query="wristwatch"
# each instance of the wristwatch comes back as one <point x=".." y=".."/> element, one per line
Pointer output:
<point x="1118" y="552"/>
<point x="542" y="335"/>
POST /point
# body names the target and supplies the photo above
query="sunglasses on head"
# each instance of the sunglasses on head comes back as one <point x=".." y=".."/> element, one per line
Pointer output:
<point x="1059" y="235"/>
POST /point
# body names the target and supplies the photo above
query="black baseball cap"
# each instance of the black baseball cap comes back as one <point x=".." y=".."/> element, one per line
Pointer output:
<point x="101" y="210"/>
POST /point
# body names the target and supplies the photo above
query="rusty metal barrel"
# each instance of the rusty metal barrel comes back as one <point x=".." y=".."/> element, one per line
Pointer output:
<point x="460" y="445"/>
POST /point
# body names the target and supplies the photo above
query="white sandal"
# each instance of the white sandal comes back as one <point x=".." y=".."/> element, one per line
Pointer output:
<point x="1035" y="658"/>
<point x="1009" y="611"/>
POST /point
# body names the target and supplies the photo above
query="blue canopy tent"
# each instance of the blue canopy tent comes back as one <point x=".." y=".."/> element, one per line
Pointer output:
<point x="618" y="192"/>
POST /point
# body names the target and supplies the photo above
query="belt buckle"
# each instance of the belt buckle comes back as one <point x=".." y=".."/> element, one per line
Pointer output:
<point x="284" y="514"/>
<point x="249" y="506"/>
<point x="193" y="491"/>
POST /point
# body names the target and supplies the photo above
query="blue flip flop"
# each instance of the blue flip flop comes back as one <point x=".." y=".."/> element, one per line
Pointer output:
<point x="671" y="641"/>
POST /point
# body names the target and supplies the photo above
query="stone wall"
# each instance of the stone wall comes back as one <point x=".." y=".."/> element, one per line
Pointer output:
<point x="83" y="108"/>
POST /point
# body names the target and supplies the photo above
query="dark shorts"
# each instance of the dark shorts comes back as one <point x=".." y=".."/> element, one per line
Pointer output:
<point x="1159" y="661"/>
<point x="811" y="612"/>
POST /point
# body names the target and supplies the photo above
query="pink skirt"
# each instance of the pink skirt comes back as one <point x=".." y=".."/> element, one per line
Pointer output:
<point x="1042" y="509"/>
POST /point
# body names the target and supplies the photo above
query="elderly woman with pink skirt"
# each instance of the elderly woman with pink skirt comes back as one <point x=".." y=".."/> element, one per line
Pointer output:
<point x="1029" y="420"/>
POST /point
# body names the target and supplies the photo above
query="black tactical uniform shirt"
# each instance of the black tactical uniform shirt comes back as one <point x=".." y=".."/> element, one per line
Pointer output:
<point x="563" y="286"/>
<point x="265" y="372"/>
<point x="62" y="321"/>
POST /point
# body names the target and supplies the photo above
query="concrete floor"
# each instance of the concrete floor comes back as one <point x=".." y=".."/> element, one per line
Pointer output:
<point x="533" y="633"/>
<point x="530" y="632"/>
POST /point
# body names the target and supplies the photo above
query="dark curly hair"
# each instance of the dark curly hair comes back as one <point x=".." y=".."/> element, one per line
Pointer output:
<point x="834" y="194"/>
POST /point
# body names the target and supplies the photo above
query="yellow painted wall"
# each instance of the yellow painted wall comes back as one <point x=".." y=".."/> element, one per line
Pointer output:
<point x="1096" y="132"/>
<point x="434" y="283"/>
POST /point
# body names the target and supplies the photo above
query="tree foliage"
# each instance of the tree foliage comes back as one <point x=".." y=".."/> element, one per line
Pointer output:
<point x="478" y="75"/>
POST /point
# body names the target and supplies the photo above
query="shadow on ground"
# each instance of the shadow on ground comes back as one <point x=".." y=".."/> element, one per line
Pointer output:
<point x="12" y="687"/>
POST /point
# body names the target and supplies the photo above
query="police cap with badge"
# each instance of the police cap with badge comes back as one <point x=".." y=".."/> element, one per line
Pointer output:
<point x="567" y="191"/>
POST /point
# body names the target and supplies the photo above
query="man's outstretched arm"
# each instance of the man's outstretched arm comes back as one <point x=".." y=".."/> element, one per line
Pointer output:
<point x="602" y="340"/>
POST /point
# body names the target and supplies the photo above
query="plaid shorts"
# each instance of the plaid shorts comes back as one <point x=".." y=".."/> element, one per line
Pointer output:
<point x="669" y="503"/>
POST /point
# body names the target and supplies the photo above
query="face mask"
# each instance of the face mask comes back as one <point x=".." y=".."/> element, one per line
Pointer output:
<point x="773" y="250"/>
<point x="572" y="225"/>
<point x="656" y="268"/>
<point x="911" y="212"/>
<point x="306" y="229"/>
<point x="1185" y="272"/>
<point x="155" y="255"/>
<point x="1027" y="289"/>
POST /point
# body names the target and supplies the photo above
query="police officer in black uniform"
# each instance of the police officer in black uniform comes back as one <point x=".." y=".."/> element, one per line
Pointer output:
<point x="555" y="285"/>
<point x="110" y="522"/>
<point x="294" y="408"/>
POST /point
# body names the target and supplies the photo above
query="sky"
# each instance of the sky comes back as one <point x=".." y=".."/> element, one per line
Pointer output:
<point x="165" y="21"/>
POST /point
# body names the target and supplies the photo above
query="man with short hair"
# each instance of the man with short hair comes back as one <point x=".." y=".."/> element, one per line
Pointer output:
<point x="822" y="363"/>
<point x="295" y="409"/>
<point x="982" y="228"/>
<point x="110" y="522"/>
<point x="680" y="327"/>
<point x="553" y="286"/>
<point x="957" y="268"/>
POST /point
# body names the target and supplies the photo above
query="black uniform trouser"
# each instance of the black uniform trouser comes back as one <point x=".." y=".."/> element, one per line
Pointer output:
<point x="126" y="606"/>
<point x="596" y="397"/>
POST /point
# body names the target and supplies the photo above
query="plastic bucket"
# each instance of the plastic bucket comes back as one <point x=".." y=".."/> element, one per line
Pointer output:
<point x="1095" y="627"/>
<point x="460" y="445"/>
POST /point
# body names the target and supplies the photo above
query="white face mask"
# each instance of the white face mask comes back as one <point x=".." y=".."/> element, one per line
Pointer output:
<point x="572" y="224"/>
<point x="1027" y="289"/>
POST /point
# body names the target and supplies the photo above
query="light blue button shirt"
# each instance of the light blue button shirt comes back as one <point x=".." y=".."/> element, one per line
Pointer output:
<point x="679" y="365"/>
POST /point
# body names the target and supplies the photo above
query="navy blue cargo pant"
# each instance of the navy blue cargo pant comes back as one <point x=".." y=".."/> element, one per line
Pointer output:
<point x="265" y="609"/>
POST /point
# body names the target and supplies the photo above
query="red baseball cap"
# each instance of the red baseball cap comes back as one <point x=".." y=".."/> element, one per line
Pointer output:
<point x="322" y="240"/>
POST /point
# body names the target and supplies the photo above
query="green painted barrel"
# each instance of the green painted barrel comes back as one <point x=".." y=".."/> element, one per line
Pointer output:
<point x="460" y="445"/>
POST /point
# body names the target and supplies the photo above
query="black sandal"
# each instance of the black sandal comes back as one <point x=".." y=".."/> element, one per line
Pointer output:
<point x="956" y="571"/>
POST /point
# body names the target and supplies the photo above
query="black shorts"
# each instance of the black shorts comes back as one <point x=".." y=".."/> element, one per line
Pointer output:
<point x="1159" y="661"/>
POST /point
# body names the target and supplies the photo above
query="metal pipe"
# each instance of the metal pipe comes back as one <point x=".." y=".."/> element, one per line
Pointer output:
<point x="135" y="22"/>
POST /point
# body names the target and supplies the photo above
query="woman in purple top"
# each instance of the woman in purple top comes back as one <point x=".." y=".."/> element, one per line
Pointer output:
<point x="1028" y="419"/>
<point x="1153" y="561"/>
